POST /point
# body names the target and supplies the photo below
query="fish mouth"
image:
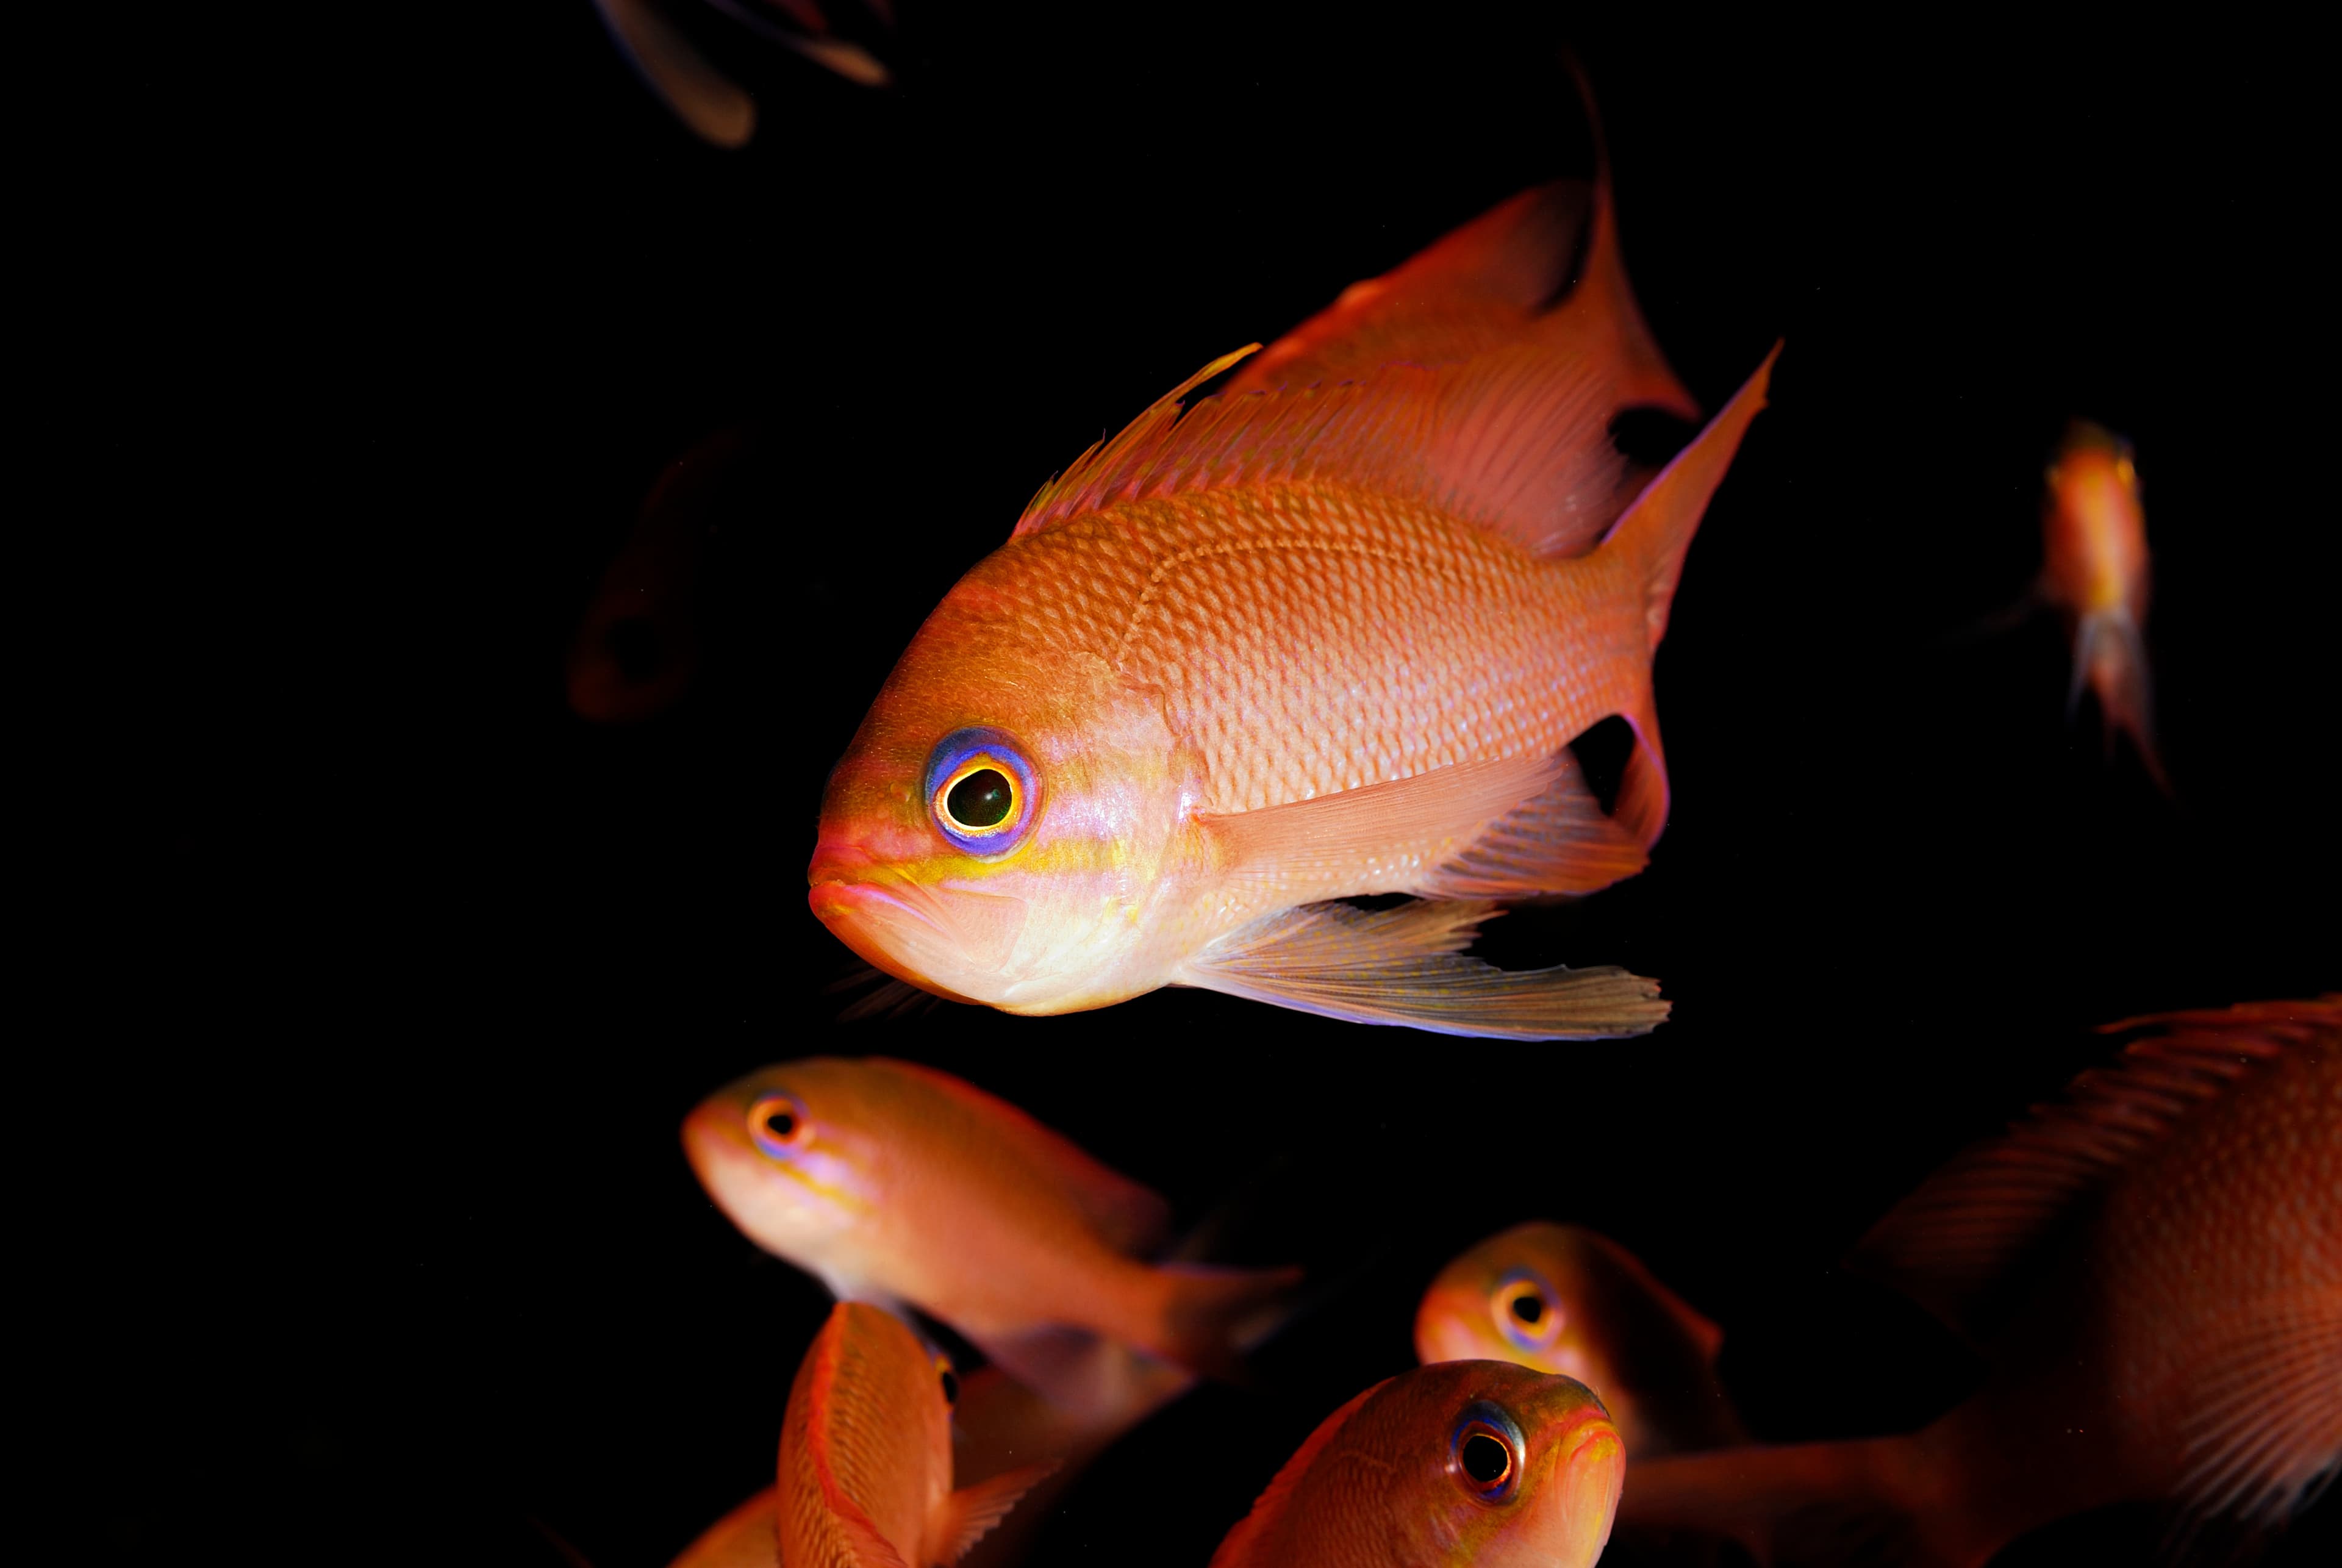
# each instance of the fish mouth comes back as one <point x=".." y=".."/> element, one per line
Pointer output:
<point x="940" y="939"/>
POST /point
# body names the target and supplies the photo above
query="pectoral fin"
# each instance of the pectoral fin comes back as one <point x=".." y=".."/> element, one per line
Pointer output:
<point x="1406" y="966"/>
<point x="967" y="1515"/>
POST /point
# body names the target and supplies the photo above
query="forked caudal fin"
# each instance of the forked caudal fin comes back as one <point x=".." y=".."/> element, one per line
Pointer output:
<point x="1406" y="966"/>
<point x="1655" y="534"/>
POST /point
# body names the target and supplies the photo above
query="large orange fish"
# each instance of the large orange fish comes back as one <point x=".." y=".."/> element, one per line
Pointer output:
<point x="1562" y="1299"/>
<point x="1479" y="1463"/>
<point x="1330" y="633"/>
<point x="896" y="1182"/>
<point x="2095" y="570"/>
<point x="2154" y="1267"/>
<point x="865" y="1467"/>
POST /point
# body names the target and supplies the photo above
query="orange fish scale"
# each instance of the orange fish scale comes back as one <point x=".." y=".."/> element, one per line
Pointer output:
<point x="1313" y="638"/>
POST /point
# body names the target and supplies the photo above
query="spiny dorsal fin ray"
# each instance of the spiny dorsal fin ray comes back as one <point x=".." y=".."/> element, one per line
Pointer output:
<point x="1957" y="1245"/>
<point x="1406" y="966"/>
<point x="1509" y="441"/>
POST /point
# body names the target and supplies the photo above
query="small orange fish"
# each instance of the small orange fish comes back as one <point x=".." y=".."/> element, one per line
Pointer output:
<point x="2154" y="1268"/>
<point x="1479" y="1463"/>
<point x="718" y="110"/>
<point x="637" y="647"/>
<point x="896" y="1182"/>
<point x="1562" y="1299"/>
<point x="865" y="1467"/>
<point x="1329" y="632"/>
<point x="999" y="1426"/>
<point x="2095" y="570"/>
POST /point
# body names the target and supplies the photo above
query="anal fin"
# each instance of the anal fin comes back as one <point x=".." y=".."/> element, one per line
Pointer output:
<point x="1406" y="966"/>
<point x="1560" y="843"/>
<point x="967" y="1515"/>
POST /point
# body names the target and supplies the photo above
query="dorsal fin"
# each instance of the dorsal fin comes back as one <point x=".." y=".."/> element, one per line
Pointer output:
<point x="1237" y="1546"/>
<point x="1513" y="441"/>
<point x="1696" y="1327"/>
<point x="1129" y="1217"/>
<point x="1957" y="1243"/>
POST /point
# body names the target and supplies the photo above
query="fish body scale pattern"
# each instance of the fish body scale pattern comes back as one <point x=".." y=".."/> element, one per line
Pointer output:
<point x="1311" y="639"/>
<point x="2226" y="1237"/>
<point x="869" y="1427"/>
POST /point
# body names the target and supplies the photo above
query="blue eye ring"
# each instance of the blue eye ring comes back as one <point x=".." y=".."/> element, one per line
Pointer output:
<point x="960" y="756"/>
<point x="778" y="1125"/>
<point x="1487" y="1476"/>
<point x="1536" y="1332"/>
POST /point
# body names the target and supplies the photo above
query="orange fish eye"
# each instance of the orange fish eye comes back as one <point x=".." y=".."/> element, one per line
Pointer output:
<point x="980" y="791"/>
<point x="979" y="800"/>
<point x="1525" y="1309"/>
<point x="1484" y="1454"/>
<point x="778" y="1123"/>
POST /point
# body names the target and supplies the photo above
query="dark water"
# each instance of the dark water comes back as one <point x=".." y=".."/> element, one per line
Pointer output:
<point x="397" y="322"/>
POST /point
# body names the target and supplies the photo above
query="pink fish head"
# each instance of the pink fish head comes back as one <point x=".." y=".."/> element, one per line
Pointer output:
<point x="1007" y="811"/>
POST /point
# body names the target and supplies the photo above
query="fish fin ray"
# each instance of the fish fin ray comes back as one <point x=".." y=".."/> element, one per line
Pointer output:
<point x="1432" y="813"/>
<point x="1406" y="966"/>
<point x="1512" y="441"/>
<point x="1694" y="1325"/>
<point x="969" y="1515"/>
<point x="1656" y="530"/>
<point x="1207" y="1315"/>
<point x="2110" y="652"/>
<point x="2268" y="1438"/>
<point x="1561" y="841"/>
<point x="1129" y="1216"/>
<point x="715" y="107"/>
<point x="1238" y="1546"/>
<point x="1958" y="1244"/>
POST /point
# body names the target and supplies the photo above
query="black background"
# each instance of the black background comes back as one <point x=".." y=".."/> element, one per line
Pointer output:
<point x="380" y="1239"/>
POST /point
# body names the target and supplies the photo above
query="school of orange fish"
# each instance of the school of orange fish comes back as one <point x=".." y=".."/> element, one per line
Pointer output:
<point x="1323" y="623"/>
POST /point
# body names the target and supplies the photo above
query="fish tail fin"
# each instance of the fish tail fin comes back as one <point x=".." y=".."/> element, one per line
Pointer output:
<point x="1202" y="1316"/>
<point x="1876" y="1501"/>
<point x="1653" y="534"/>
<point x="2110" y="657"/>
<point x="1656" y="531"/>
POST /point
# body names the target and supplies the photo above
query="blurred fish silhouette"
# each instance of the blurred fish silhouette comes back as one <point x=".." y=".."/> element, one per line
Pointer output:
<point x="1328" y="634"/>
<point x="897" y="1183"/>
<point x="638" y="648"/>
<point x="865" y="1466"/>
<point x="1465" y="1463"/>
<point x="717" y="109"/>
<point x="2095" y="570"/>
<point x="2154" y="1268"/>
<point x="1561" y="1299"/>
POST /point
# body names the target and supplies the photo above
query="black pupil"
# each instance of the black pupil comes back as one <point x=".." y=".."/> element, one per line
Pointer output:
<point x="1528" y="1308"/>
<point x="951" y="1387"/>
<point x="780" y="1123"/>
<point x="1486" y="1460"/>
<point x="980" y="800"/>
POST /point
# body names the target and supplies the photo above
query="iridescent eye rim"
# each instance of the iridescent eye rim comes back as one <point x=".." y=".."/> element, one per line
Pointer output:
<point x="1483" y="1419"/>
<point x="1514" y="1285"/>
<point x="761" y="1113"/>
<point x="969" y="750"/>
